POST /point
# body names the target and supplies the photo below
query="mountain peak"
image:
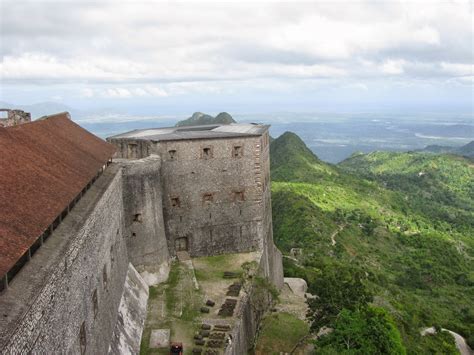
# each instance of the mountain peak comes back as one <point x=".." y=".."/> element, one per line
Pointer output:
<point x="199" y="118"/>
<point x="292" y="160"/>
<point x="290" y="144"/>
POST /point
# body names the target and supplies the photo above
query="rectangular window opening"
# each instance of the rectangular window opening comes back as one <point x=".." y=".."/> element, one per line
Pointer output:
<point x="175" y="202"/>
<point x="206" y="153"/>
<point x="172" y="154"/>
<point x="104" y="276"/>
<point x="239" y="196"/>
<point x="237" y="151"/>
<point x="208" y="197"/>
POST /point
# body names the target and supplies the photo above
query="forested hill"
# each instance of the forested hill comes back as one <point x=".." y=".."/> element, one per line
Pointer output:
<point x="292" y="160"/>
<point x="199" y="118"/>
<point x="438" y="186"/>
<point x="387" y="243"/>
<point x="465" y="150"/>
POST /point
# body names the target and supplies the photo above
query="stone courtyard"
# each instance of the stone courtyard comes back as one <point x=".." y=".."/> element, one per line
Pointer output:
<point x="190" y="304"/>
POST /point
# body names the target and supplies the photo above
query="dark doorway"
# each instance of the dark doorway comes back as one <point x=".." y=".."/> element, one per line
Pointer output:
<point x="181" y="244"/>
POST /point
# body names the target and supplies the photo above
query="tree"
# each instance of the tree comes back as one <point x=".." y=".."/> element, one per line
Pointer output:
<point x="337" y="288"/>
<point x="367" y="331"/>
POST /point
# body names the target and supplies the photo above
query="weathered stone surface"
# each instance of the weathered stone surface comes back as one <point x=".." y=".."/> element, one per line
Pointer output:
<point x="14" y="117"/>
<point x="298" y="286"/>
<point x="131" y="315"/>
<point x="160" y="338"/>
<point x="143" y="218"/>
<point x="211" y="205"/>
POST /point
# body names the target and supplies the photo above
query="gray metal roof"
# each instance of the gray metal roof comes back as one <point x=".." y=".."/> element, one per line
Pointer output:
<point x="195" y="132"/>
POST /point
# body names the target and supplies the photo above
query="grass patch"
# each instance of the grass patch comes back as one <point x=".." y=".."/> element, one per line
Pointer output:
<point x="153" y="292"/>
<point x="212" y="267"/>
<point x="182" y="305"/>
<point x="280" y="333"/>
<point x="170" y="290"/>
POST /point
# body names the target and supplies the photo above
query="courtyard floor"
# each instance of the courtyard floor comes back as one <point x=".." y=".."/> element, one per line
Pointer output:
<point x="176" y="305"/>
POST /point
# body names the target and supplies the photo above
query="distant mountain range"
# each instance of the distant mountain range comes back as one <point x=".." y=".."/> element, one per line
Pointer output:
<point x="465" y="150"/>
<point x="199" y="118"/>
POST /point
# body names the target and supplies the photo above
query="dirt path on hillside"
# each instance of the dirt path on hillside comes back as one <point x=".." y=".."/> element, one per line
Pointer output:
<point x="461" y="343"/>
<point x="336" y="232"/>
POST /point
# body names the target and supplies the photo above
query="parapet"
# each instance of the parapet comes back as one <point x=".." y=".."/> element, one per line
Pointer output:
<point x="14" y="117"/>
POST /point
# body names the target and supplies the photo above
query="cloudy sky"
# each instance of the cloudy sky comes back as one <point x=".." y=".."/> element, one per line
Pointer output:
<point x="245" y="56"/>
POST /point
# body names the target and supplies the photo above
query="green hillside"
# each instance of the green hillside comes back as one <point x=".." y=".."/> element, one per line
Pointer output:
<point x="199" y="118"/>
<point x="409" y="235"/>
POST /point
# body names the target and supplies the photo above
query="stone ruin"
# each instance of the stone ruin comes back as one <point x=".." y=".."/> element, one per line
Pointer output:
<point x="14" y="117"/>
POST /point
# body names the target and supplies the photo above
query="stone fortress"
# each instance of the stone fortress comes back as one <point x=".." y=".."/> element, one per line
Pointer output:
<point x="102" y="221"/>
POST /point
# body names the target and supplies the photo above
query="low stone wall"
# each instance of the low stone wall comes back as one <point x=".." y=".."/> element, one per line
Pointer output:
<point x="65" y="299"/>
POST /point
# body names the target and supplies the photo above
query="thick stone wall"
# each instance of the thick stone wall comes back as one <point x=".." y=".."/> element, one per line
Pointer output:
<point x="205" y="196"/>
<point x="213" y="201"/>
<point x="143" y="218"/>
<point x="131" y="315"/>
<point x="245" y="327"/>
<point x="216" y="195"/>
<point x="66" y="298"/>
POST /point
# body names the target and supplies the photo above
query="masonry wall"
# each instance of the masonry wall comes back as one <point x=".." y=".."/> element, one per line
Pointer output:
<point x="212" y="201"/>
<point x="271" y="264"/>
<point x="15" y="117"/>
<point x="215" y="199"/>
<point x="66" y="298"/>
<point x="245" y="327"/>
<point x="143" y="218"/>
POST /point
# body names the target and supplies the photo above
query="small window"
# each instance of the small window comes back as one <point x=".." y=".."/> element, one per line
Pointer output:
<point x="237" y="151"/>
<point x="239" y="195"/>
<point x="208" y="197"/>
<point x="112" y="253"/>
<point x="206" y="152"/>
<point x="172" y="154"/>
<point x="175" y="202"/>
<point x="82" y="338"/>
<point x="137" y="217"/>
<point x="95" y="302"/>
<point x="104" y="276"/>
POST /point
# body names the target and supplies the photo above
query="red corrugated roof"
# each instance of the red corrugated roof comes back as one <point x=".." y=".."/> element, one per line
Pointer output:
<point x="44" y="165"/>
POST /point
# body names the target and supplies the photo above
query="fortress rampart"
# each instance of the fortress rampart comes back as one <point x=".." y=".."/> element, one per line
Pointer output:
<point x="85" y="289"/>
<point x="66" y="297"/>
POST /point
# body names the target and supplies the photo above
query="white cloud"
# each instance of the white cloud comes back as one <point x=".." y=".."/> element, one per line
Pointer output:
<point x="458" y="69"/>
<point x="393" y="67"/>
<point x="87" y="92"/>
<point x="117" y="93"/>
<point x="155" y="91"/>
<point x="358" y="86"/>
<point x="156" y="49"/>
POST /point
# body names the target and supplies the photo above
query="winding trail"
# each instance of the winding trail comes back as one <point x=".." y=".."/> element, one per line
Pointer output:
<point x="461" y="343"/>
<point x="336" y="232"/>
